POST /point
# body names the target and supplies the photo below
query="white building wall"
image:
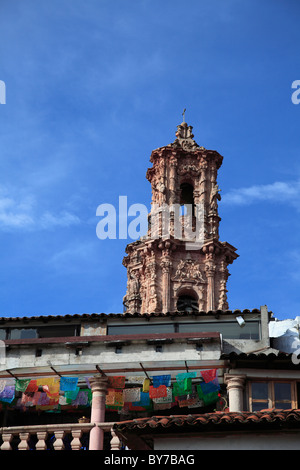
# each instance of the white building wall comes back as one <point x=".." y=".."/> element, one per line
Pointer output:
<point x="243" y="441"/>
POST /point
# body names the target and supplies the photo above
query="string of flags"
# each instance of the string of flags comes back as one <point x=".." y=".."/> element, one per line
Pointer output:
<point x="46" y="394"/>
<point x="159" y="393"/>
<point x="143" y="393"/>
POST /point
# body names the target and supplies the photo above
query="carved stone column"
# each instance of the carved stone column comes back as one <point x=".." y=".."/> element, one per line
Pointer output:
<point x="99" y="388"/>
<point x="235" y="387"/>
<point x="210" y="274"/>
<point x="173" y="163"/>
<point x="166" y="265"/>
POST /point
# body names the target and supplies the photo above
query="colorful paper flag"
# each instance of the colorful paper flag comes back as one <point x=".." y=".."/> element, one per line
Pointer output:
<point x="32" y="386"/>
<point x="71" y="395"/>
<point x="131" y="394"/>
<point x="182" y="387"/>
<point x="136" y="379"/>
<point x="158" y="392"/>
<point x="158" y="380"/>
<point x="185" y="375"/>
<point x="208" y="393"/>
<point x="144" y="400"/>
<point x="209" y="375"/>
<point x="116" y="382"/>
<point x="22" y="384"/>
<point x="68" y="384"/>
<point x="8" y="394"/>
<point x="146" y="385"/>
<point x="167" y="399"/>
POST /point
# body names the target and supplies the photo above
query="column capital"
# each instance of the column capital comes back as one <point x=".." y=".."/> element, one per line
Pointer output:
<point x="234" y="380"/>
<point x="99" y="384"/>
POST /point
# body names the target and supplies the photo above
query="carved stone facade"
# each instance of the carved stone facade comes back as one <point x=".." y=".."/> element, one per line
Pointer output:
<point x="167" y="270"/>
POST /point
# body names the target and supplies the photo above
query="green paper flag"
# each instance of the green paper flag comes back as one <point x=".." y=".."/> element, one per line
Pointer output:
<point x="182" y="387"/>
<point x="22" y="384"/>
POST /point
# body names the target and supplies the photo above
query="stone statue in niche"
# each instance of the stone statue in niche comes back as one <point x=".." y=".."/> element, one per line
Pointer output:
<point x="134" y="284"/>
<point x="214" y="198"/>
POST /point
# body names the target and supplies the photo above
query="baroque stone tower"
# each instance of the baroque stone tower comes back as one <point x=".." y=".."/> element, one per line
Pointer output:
<point x="166" y="270"/>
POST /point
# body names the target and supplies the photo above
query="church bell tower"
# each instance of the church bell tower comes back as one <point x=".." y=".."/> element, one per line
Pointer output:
<point x="180" y="265"/>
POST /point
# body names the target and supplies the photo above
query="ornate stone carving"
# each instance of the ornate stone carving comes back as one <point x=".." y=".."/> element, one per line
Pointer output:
<point x="162" y="267"/>
<point x="185" y="138"/>
<point x="188" y="270"/>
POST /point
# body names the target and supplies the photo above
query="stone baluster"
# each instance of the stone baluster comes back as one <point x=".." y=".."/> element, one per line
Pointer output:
<point x="6" y="437"/>
<point x="41" y="443"/>
<point x="115" y="443"/>
<point x="24" y="437"/>
<point x="59" y="443"/>
<point x="76" y="442"/>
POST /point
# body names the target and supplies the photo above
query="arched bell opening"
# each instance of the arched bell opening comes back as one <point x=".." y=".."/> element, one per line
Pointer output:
<point x="187" y="301"/>
<point x="187" y="196"/>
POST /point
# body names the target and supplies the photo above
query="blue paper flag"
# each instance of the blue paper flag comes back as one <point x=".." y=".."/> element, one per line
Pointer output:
<point x="68" y="384"/>
<point x="158" y="380"/>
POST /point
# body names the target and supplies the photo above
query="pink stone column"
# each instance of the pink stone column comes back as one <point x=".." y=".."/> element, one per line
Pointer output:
<point x="98" y="387"/>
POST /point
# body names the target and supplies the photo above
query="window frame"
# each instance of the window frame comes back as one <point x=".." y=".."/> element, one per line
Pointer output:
<point x="270" y="400"/>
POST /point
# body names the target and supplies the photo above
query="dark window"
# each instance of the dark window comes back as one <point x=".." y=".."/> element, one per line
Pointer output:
<point x="260" y="391"/>
<point x="23" y="333"/>
<point x="58" y="331"/>
<point x="2" y="334"/>
<point x="228" y="329"/>
<point x="282" y="395"/>
<point x="140" y="329"/>
<point x="44" y="332"/>
<point x="259" y="395"/>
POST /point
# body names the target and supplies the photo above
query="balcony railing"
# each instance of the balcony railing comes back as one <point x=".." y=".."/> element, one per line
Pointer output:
<point x="74" y="436"/>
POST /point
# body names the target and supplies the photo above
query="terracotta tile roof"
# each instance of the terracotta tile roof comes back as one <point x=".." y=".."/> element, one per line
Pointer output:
<point x="221" y="421"/>
<point x="98" y="316"/>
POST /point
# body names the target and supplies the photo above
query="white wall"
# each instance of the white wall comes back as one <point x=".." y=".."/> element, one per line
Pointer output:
<point x="244" y="441"/>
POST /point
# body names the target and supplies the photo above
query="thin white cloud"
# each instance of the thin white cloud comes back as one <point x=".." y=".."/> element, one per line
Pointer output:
<point x="19" y="212"/>
<point x="64" y="219"/>
<point x="275" y="192"/>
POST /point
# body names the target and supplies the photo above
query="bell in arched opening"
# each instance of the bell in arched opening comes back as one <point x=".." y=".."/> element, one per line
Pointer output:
<point x="187" y="303"/>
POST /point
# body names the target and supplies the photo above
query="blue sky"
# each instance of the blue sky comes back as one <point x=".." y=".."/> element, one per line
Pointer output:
<point x="92" y="87"/>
